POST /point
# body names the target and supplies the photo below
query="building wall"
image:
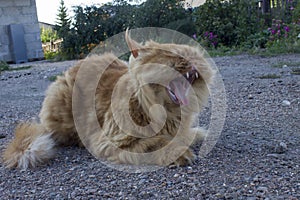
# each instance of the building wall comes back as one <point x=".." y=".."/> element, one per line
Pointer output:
<point x="20" y="12"/>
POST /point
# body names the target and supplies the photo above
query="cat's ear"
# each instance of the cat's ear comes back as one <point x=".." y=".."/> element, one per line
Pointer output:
<point x="134" y="47"/>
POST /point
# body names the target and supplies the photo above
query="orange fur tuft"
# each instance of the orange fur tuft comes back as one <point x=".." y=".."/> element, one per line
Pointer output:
<point x="31" y="146"/>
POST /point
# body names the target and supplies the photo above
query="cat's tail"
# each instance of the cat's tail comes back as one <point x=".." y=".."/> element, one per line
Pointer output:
<point x="32" y="146"/>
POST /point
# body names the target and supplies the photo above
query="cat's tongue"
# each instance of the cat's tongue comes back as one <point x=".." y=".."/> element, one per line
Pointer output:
<point x="180" y="87"/>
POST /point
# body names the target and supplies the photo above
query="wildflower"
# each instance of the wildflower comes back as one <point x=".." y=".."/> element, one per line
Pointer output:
<point x="194" y="36"/>
<point x="286" y="28"/>
<point x="273" y="31"/>
<point x="211" y="35"/>
<point x="214" y="43"/>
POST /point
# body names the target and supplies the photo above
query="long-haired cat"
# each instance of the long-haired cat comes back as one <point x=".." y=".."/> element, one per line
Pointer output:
<point x="165" y="84"/>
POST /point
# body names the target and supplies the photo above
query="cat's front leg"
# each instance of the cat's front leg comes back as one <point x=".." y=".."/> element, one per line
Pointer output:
<point x="186" y="158"/>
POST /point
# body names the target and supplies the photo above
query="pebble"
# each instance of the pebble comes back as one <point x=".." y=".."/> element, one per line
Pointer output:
<point x="286" y="103"/>
<point x="284" y="66"/>
<point x="281" y="148"/>
<point x="274" y="155"/>
<point x="262" y="189"/>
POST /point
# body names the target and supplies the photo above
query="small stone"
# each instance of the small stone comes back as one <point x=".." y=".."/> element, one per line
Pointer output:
<point x="45" y="77"/>
<point x="172" y="166"/>
<point x="262" y="189"/>
<point x="176" y="175"/>
<point x="281" y="148"/>
<point x="250" y="96"/>
<point x="142" y="181"/>
<point x="284" y="66"/>
<point x="286" y="103"/>
<point x="274" y="155"/>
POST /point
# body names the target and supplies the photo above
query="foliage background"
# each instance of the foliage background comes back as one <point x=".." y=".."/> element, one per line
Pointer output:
<point x="223" y="25"/>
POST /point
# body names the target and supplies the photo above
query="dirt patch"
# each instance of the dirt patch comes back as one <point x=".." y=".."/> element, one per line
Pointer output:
<point x="256" y="157"/>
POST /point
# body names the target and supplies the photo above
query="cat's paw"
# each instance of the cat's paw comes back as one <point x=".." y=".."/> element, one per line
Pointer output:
<point x="185" y="159"/>
<point x="199" y="134"/>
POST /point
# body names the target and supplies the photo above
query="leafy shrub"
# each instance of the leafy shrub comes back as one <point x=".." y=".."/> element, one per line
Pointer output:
<point x="257" y="40"/>
<point x="93" y="24"/>
<point x="209" y="39"/>
<point x="48" y="35"/>
<point x="233" y="20"/>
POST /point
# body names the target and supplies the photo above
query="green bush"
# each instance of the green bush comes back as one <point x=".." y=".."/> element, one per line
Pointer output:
<point x="48" y="35"/>
<point x="56" y="56"/>
<point x="257" y="40"/>
<point x="93" y="24"/>
<point x="229" y="26"/>
<point x="232" y="21"/>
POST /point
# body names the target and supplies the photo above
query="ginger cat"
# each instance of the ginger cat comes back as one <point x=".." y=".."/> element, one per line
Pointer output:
<point x="162" y="111"/>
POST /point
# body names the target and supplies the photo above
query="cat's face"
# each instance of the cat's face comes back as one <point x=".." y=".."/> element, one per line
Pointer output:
<point x="178" y="68"/>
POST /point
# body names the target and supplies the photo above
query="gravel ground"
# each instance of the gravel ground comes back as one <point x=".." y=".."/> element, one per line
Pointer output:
<point x="256" y="157"/>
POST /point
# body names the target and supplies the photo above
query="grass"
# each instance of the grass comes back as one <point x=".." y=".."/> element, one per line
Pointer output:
<point x="224" y="51"/>
<point x="56" y="56"/>
<point x="54" y="77"/>
<point x="269" y="76"/>
<point x="289" y="64"/>
<point x="296" y="71"/>
<point x="19" y="68"/>
<point x="5" y="67"/>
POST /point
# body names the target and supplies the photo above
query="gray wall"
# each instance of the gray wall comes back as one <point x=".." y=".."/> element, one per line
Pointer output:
<point x="20" y="12"/>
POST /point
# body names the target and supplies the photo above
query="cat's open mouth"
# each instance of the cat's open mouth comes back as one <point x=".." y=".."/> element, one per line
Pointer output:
<point x="178" y="88"/>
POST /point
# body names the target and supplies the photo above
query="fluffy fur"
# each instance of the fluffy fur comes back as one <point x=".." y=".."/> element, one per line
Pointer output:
<point x="34" y="143"/>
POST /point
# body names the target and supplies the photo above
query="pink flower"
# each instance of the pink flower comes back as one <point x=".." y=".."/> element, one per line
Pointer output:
<point x="194" y="36"/>
<point x="278" y="32"/>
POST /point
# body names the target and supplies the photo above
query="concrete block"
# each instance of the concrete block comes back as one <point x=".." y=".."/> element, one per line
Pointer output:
<point x="28" y="19"/>
<point x="5" y="52"/>
<point x="6" y="20"/>
<point x="29" y="38"/>
<point x="11" y="11"/>
<point x="32" y="28"/>
<point x="6" y="3"/>
<point x="22" y="2"/>
<point x="33" y="52"/>
<point x="7" y="57"/>
<point x="4" y="49"/>
<point x="4" y="39"/>
<point x="28" y="10"/>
